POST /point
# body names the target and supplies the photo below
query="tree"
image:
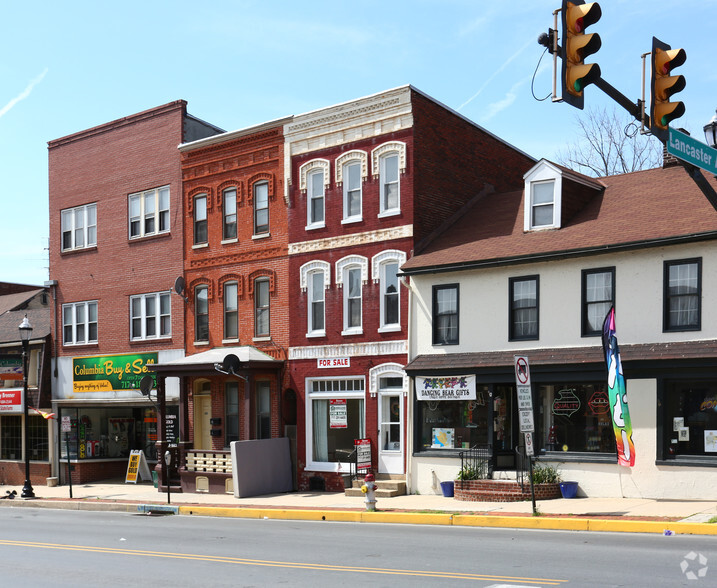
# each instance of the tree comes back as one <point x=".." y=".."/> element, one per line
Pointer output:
<point x="610" y="144"/>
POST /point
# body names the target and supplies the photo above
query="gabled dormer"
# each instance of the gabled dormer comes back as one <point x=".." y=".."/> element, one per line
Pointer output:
<point x="553" y="194"/>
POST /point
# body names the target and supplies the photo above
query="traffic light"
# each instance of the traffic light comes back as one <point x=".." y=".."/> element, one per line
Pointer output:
<point x="576" y="46"/>
<point x="663" y="86"/>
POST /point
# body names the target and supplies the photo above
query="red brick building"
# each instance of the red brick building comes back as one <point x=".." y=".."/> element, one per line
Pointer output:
<point x="370" y="182"/>
<point x="116" y="249"/>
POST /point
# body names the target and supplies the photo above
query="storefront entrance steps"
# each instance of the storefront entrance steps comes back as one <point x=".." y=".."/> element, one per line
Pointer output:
<point x="388" y="486"/>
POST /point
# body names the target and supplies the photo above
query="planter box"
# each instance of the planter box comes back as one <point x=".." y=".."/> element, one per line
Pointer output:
<point x="502" y="491"/>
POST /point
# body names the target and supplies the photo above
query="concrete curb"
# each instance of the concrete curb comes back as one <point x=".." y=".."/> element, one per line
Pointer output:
<point x="403" y="518"/>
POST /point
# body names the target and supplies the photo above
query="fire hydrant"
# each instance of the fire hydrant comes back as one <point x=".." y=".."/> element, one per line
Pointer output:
<point x="369" y="489"/>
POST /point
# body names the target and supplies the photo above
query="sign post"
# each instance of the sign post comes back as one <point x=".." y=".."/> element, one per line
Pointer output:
<point x="525" y="413"/>
<point x="66" y="429"/>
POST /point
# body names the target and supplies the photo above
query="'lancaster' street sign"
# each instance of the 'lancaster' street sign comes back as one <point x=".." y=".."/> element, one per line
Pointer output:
<point x="692" y="151"/>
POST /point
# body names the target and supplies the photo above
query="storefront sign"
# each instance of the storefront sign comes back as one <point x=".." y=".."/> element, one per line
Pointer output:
<point x="171" y="429"/>
<point x="10" y="400"/>
<point x="105" y="373"/>
<point x="337" y="414"/>
<point x="599" y="403"/>
<point x="446" y="388"/>
<point x="363" y="453"/>
<point x="566" y="403"/>
<point x="334" y="362"/>
<point x="709" y="404"/>
<point x="10" y="367"/>
<point x="137" y="467"/>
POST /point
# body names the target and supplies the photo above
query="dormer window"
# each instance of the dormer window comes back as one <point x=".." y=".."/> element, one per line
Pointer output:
<point x="542" y="204"/>
<point x="543" y="193"/>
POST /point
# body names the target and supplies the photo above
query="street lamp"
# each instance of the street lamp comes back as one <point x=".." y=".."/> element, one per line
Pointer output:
<point x="711" y="131"/>
<point x="25" y="332"/>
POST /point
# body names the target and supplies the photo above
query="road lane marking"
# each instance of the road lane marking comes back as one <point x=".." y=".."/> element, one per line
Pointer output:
<point x="280" y="564"/>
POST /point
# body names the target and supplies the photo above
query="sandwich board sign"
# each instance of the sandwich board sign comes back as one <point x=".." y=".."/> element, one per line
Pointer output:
<point x="137" y="466"/>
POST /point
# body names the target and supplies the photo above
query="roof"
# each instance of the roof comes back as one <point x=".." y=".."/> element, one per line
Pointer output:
<point x="639" y="209"/>
<point x="40" y="319"/>
<point x="12" y="301"/>
<point x="249" y="357"/>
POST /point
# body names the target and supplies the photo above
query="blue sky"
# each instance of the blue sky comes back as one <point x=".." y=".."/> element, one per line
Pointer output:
<point x="68" y="66"/>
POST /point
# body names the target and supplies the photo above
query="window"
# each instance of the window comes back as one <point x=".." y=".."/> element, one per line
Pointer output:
<point x="542" y="204"/>
<point x="231" y="311"/>
<point x="38" y="438"/>
<point x="523" y="308"/>
<point x="389" y="183"/>
<point x="575" y="417"/>
<point x="335" y="416"/>
<point x="261" y="208"/>
<point x="689" y="427"/>
<point x="261" y="307"/>
<point x="682" y="294"/>
<point x="200" y="219"/>
<point x="598" y="296"/>
<point x="11" y="437"/>
<point x="231" y="412"/>
<point x="201" y="313"/>
<point x="149" y="212"/>
<point x="79" y="227"/>
<point x="150" y="316"/>
<point x="316" y="287"/>
<point x="445" y="315"/>
<point x="263" y="410"/>
<point x="79" y="323"/>
<point x="229" y="226"/>
<point x="352" y="191"/>
<point x="315" y="191"/>
<point x="389" y="295"/>
<point x="352" y="299"/>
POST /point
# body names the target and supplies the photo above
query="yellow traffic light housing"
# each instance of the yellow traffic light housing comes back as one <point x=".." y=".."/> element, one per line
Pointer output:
<point x="663" y="86"/>
<point x="576" y="46"/>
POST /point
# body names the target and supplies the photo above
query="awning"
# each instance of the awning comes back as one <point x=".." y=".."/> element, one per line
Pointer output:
<point x="203" y="363"/>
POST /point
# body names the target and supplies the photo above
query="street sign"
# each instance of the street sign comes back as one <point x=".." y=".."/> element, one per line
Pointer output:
<point x="529" y="451"/>
<point x="66" y="424"/>
<point x="522" y="370"/>
<point x="524" y="392"/>
<point x="692" y="151"/>
<point x="526" y="421"/>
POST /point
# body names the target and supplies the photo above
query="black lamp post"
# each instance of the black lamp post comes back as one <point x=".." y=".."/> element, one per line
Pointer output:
<point x="711" y="132"/>
<point x="25" y="332"/>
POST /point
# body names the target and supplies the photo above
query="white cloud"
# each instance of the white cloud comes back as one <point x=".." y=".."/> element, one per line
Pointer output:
<point x="24" y="94"/>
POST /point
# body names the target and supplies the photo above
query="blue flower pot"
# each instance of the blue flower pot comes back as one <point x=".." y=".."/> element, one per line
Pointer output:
<point x="569" y="489"/>
<point x="447" y="489"/>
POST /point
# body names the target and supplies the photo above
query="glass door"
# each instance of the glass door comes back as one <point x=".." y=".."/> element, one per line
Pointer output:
<point x="390" y="418"/>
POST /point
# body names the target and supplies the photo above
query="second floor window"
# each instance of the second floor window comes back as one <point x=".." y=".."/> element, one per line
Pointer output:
<point x="315" y="191"/>
<point x="229" y="227"/>
<point x="682" y="294"/>
<point x="445" y="315"/>
<point x="79" y="227"/>
<point x="352" y="299"/>
<point x="523" y="308"/>
<point x="316" y="302"/>
<point x="389" y="183"/>
<point x="261" y="307"/>
<point x="598" y="296"/>
<point x="149" y="212"/>
<point x="201" y="313"/>
<point x="79" y="323"/>
<point x="231" y="314"/>
<point x="389" y="294"/>
<point x="150" y="316"/>
<point x="200" y="219"/>
<point x="261" y="208"/>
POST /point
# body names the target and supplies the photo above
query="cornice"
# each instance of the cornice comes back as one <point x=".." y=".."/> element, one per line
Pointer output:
<point x="371" y="348"/>
<point x="340" y="241"/>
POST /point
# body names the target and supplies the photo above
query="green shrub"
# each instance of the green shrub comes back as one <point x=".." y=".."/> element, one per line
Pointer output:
<point x="546" y="474"/>
<point x="468" y="472"/>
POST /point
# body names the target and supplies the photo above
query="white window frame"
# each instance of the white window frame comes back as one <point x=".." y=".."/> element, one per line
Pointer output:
<point x="264" y="231"/>
<point x="342" y="165"/>
<point x="230" y="310"/>
<point x="86" y="323"/>
<point x="231" y="190"/>
<point x="196" y="220"/>
<point x="261" y="336"/>
<point x="315" y="180"/>
<point x="143" y="316"/>
<point x="378" y="268"/>
<point x="335" y="394"/>
<point x="378" y="157"/>
<point x="197" y="290"/>
<point x="306" y="272"/>
<point x="159" y="214"/>
<point x="542" y="174"/>
<point x="88" y="230"/>
<point x="343" y="267"/>
<point x="307" y="174"/>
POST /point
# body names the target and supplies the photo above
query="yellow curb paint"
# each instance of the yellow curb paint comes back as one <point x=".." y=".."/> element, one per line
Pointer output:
<point x="407" y="518"/>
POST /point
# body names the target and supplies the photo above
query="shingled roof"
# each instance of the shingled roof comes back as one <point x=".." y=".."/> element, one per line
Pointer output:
<point x="639" y="209"/>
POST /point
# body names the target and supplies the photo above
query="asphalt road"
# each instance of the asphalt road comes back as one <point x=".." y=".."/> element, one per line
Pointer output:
<point x="41" y="547"/>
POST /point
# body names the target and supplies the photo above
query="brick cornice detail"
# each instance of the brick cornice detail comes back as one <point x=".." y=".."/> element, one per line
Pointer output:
<point x="371" y="348"/>
<point x="258" y="255"/>
<point x="340" y="241"/>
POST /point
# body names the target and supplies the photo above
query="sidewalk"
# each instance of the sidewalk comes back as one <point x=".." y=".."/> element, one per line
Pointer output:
<point x="606" y="514"/>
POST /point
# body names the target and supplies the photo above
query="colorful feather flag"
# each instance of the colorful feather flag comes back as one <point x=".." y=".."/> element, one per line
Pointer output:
<point x="617" y="393"/>
<point x="45" y="415"/>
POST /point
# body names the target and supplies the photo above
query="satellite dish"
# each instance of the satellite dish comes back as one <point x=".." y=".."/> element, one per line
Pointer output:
<point x="146" y="384"/>
<point x="231" y="364"/>
<point x="179" y="285"/>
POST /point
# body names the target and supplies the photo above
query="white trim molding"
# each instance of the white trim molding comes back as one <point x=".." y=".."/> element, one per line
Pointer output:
<point x="314" y="164"/>
<point x="347" y="261"/>
<point x="370" y="349"/>
<point x="386" y="368"/>
<point x="381" y="150"/>
<point x="353" y="155"/>
<point x="311" y="266"/>
<point x="388" y="255"/>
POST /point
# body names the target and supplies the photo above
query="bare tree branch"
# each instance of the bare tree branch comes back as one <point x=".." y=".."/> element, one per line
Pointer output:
<point x="610" y="143"/>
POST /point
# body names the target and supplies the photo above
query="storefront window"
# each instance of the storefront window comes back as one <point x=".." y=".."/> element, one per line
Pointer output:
<point x="690" y="425"/>
<point x="336" y="417"/>
<point x="38" y="438"/>
<point x="454" y="424"/>
<point x="11" y="437"/>
<point x="575" y="418"/>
